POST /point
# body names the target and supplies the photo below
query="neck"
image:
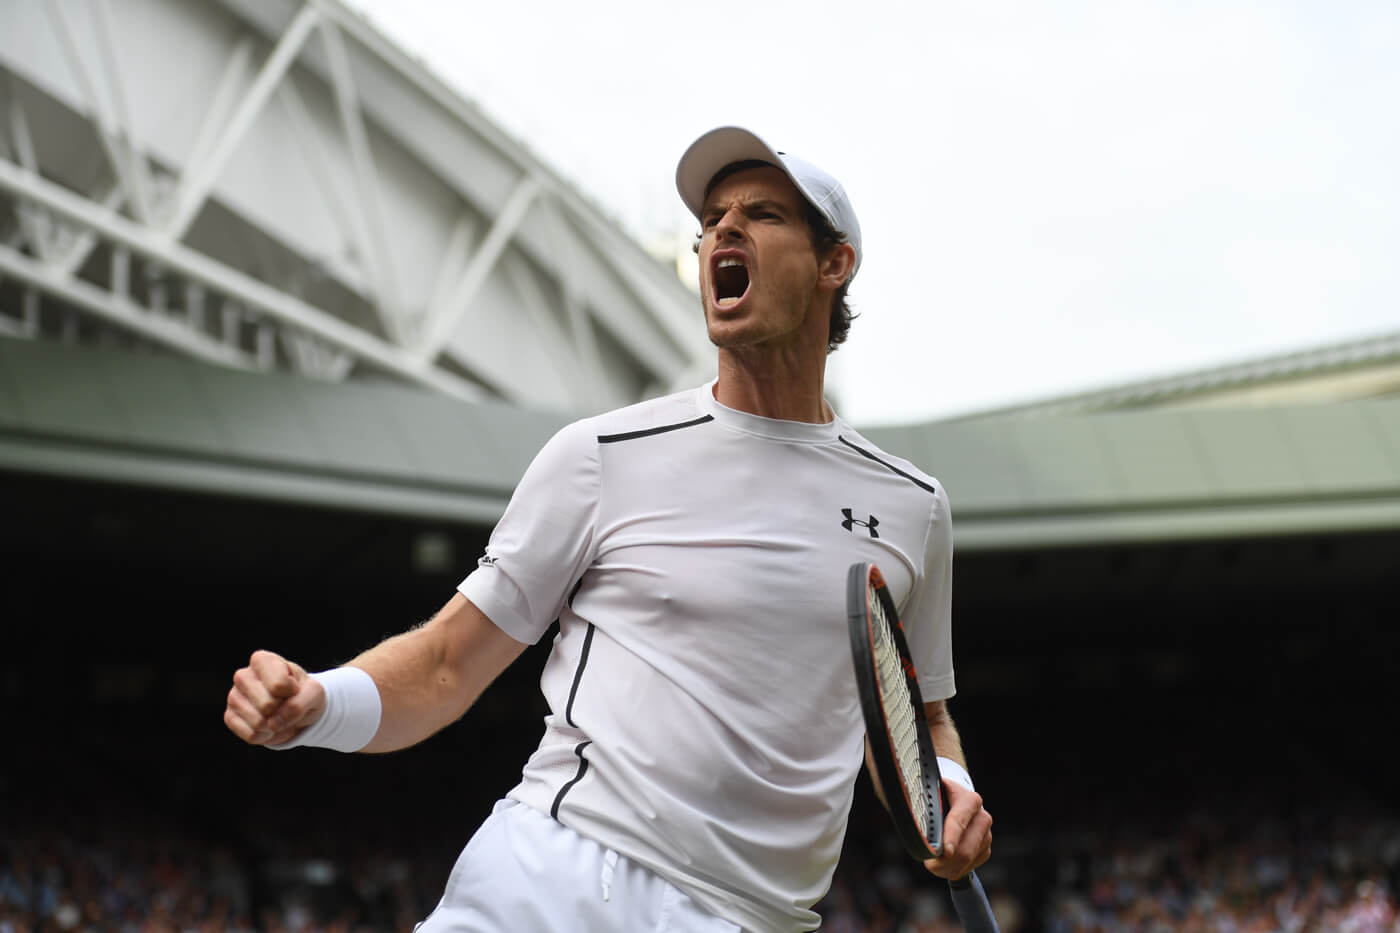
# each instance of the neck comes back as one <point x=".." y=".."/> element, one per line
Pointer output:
<point x="784" y="389"/>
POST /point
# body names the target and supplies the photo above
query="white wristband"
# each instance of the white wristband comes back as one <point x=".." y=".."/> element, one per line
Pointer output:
<point x="351" y="716"/>
<point x="950" y="770"/>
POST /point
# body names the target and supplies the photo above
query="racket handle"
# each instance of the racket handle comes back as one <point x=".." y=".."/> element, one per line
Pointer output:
<point x="970" y="901"/>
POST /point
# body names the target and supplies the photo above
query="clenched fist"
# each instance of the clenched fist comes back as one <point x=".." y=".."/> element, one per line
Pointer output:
<point x="272" y="700"/>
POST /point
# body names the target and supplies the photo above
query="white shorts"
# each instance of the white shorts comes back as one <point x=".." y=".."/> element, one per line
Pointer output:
<point x="523" y="871"/>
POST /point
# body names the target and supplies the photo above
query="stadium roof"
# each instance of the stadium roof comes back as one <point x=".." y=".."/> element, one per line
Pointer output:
<point x="1056" y="480"/>
<point x="273" y="185"/>
<point x="1352" y="369"/>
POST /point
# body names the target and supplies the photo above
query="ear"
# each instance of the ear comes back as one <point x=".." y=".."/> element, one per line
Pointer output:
<point x="835" y="267"/>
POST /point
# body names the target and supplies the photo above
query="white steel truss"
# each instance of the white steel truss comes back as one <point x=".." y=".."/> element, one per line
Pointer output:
<point x="271" y="184"/>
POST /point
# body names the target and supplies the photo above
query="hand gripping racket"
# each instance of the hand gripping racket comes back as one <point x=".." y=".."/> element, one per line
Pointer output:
<point x="906" y="764"/>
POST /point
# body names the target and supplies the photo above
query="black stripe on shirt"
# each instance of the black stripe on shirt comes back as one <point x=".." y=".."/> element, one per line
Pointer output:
<point x="889" y="466"/>
<point x="647" y="432"/>
<point x="582" y="770"/>
<point x="578" y="676"/>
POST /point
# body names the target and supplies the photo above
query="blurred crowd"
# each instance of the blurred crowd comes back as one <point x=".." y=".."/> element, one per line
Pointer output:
<point x="1242" y="869"/>
<point x="137" y="871"/>
<point x="1211" y="873"/>
<point x="1256" y="872"/>
<point x="165" y="883"/>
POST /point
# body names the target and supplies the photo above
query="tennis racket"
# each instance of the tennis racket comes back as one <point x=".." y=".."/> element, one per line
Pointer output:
<point x="906" y="764"/>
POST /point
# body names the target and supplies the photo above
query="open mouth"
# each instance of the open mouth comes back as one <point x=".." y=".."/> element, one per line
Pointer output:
<point x="731" y="281"/>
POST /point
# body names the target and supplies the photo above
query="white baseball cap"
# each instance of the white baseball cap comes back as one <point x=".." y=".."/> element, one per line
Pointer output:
<point x="729" y="144"/>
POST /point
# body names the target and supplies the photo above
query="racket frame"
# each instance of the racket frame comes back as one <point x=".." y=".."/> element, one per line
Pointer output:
<point x="864" y="582"/>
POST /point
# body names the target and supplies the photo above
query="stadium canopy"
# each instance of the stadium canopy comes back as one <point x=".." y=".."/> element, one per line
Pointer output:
<point x="271" y="185"/>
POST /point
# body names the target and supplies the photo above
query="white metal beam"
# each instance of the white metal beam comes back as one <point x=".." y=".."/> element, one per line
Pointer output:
<point x="72" y="259"/>
<point x="217" y="110"/>
<point x="576" y="314"/>
<point x="582" y="382"/>
<point x="683" y="340"/>
<point x="34" y="222"/>
<point x="455" y="256"/>
<point x="143" y="206"/>
<point x="657" y="348"/>
<point x="253" y="293"/>
<point x="119" y="310"/>
<point x="372" y="225"/>
<point x="397" y="158"/>
<point x="27" y="325"/>
<point x="111" y="132"/>
<point x="444" y="320"/>
<point x="318" y="162"/>
<point x="198" y="179"/>
<point x="315" y="358"/>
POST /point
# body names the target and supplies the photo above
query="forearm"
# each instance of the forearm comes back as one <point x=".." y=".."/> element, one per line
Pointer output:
<point x="418" y="691"/>
<point x="946" y="741"/>
<point x="429" y="676"/>
<point x="944" y="734"/>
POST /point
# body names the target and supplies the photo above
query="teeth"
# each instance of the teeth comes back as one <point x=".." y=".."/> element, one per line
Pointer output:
<point x="727" y="263"/>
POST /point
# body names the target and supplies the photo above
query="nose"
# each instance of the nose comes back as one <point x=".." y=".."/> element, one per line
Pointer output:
<point x="729" y="226"/>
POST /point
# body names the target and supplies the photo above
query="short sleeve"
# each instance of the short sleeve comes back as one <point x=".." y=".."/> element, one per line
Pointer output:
<point x="544" y="541"/>
<point x="928" y="614"/>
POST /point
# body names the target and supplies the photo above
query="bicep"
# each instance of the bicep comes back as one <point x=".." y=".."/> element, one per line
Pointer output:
<point x="927" y="614"/>
<point x="545" y="541"/>
<point x="473" y="647"/>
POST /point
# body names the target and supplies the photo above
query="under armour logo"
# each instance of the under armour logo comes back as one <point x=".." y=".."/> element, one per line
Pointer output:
<point x="851" y="521"/>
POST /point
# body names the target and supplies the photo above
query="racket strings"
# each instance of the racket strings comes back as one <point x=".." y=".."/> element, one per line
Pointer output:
<point x="899" y="709"/>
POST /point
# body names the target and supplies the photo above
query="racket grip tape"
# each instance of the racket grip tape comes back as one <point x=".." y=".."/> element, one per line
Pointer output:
<point x="970" y="901"/>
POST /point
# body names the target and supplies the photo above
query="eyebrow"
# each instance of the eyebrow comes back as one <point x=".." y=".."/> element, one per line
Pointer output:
<point x="748" y="207"/>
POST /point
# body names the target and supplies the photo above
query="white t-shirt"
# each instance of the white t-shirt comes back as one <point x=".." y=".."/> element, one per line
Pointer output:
<point x="704" y="717"/>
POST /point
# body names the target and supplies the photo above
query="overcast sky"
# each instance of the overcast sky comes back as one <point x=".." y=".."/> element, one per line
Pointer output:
<point x="1054" y="196"/>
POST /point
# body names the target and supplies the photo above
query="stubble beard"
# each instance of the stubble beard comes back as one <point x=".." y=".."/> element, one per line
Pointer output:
<point x="746" y="331"/>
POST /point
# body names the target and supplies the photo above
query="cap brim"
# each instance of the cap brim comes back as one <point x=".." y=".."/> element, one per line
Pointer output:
<point x="712" y="152"/>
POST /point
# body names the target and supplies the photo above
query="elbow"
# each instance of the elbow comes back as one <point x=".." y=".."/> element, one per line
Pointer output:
<point x="936" y="713"/>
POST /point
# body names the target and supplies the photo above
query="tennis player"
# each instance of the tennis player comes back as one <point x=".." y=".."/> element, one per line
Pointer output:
<point x="698" y="763"/>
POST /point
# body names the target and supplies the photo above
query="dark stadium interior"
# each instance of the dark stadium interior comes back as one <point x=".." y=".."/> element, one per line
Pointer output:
<point x="1097" y="686"/>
